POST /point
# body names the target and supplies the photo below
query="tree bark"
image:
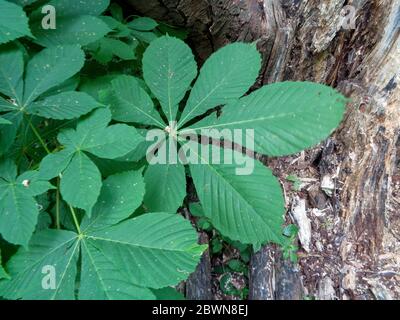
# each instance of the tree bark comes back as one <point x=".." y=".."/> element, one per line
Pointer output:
<point x="358" y="255"/>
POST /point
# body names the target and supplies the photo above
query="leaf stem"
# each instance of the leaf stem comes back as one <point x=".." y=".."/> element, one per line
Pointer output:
<point x="78" y="229"/>
<point x="37" y="134"/>
<point x="58" y="225"/>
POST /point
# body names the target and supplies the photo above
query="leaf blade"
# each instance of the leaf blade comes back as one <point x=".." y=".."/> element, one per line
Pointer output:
<point x="168" y="69"/>
<point x="226" y="76"/>
<point x="286" y="117"/>
<point x="51" y="67"/>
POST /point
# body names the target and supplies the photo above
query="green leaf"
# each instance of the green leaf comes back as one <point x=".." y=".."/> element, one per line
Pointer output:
<point x="129" y="102"/>
<point x="286" y="117"/>
<point x="23" y="3"/>
<point x="168" y="293"/>
<point x="120" y="196"/>
<point x="120" y="262"/>
<point x="226" y="76"/>
<point x="18" y="208"/>
<point x="33" y="183"/>
<point x="165" y="187"/>
<point x="81" y="29"/>
<point x="83" y="7"/>
<point x="102" y="280"/>
<point x="65" y="105"/>
<point x="11" y="72"/>
<point x="81" y="182"/>
<point x="81" y="179"/>
<point x="13" y="22"/>
<point x="247" y="208"/>
<point x="196" y="210"/>
<point x="49" y="250"/>
<point x="161" y="246"/>
<point x="54" y="164"/>
<point x="8" y="133"/>
<point x="51" y="67"/>
<point x="112" y="142"/>
<point x="92" y="135"/>
<point x="3" y="273"/>
<point x="4" y="121"/>
<point x="109" y="47"/>
<point x="143" y="24"/>
<point x="168" y="69"/>
<point x="117" y="12"/>
<point x="93" y="86"/>
<point x="144" y="36"/>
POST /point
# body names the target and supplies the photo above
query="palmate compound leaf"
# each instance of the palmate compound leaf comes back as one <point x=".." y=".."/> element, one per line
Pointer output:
<point x="119" y="261"/>
<point x="243" y="205"/>
<point x="168" y="69"/>
<point x="13" y="22"/>
<point x="80" y="178"/>
<point x="46" y="73"/>
<point x="18" y="208"/>
<point x="286" y="117"/>
<point x="226" y="76"/>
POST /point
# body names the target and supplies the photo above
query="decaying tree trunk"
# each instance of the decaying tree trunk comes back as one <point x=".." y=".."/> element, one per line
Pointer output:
<point x="355" y="239"/>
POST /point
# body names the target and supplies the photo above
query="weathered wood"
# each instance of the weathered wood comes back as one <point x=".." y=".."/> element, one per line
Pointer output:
<point x="305" y="40"/>
<point x="198" y="286"/>
<point x="262" y="274"/>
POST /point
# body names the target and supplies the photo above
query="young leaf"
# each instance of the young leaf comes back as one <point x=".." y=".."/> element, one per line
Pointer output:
<point x="226" y="76"/>
<point x="286" y="117"/>
<point x="247" y="208"/>
<point x="143" y="24"/>
<point x="18" y="208"/>
<point x="13" y="22"/>
<point x="51" y="67"/>
<point x="65" y="105"/>
<point x="109" y="47"/>
<point x="168" y="69"/>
